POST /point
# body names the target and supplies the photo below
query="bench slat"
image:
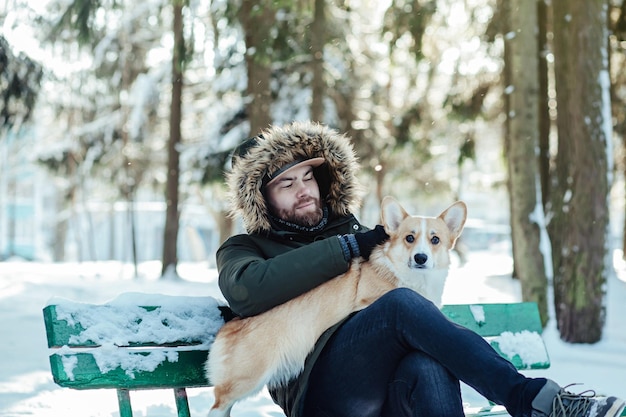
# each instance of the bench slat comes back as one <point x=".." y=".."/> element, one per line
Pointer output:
<point x="495" y="410"/>
<point x="60" y="332"/>
<point x="187" y="371"/>
<point x="499" y="318"/>
<point x="514" y="317"/>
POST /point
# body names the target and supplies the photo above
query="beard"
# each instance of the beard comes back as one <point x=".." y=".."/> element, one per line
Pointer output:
<point x="308" y="219"/>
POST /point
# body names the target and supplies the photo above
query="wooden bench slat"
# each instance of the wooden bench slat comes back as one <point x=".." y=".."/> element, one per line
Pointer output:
<point x="513" y="317"/>
<point x="494" y="410"/>
<point x="187" y="371"/>
<point x="60" y="332"/>
<point x="499" y="318"/>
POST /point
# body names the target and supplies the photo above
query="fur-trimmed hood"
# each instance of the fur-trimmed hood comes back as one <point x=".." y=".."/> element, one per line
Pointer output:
<point x="281" y="145"/>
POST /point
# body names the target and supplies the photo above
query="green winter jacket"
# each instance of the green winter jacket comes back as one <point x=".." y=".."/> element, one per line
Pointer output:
<point x="259" y="272"/>
<point x="270" y="265"/>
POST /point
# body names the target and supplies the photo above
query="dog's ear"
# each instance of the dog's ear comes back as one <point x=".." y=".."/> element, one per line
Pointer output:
<point x="454" y="217"/>
<point x="392" y="214"/>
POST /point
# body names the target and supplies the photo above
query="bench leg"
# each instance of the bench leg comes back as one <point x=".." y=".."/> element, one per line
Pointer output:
<point x="123" y="399"/>
<point x="182" y="404"/>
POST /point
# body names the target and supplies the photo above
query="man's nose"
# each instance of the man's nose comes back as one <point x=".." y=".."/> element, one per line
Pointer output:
<point x="302" y="189"/>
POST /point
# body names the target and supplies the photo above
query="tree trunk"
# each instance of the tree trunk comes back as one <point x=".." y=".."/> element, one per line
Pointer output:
<point x="318" y="39"/>
<point x="523" y="139"/>
<point x="580" y="216"/>
<point x="505" y="11"/>
<point x="12" y="216"/>
<point x="624" y="213"/>
<point x="170" y="236"/>
<point x="224" y="226"/>
<point x="257" y="22"/>
<point x="543" y="15"/>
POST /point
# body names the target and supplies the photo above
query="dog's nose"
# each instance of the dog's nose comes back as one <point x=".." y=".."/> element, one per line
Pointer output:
<point x="420" y="258"/>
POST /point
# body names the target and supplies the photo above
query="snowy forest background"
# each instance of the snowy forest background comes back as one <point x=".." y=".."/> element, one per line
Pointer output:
<point x="118" y="119"/>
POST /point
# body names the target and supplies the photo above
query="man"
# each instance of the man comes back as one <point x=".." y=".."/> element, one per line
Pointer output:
<point x="295" y="188"/>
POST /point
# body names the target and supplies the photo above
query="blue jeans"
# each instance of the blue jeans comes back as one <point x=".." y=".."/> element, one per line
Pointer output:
<point x="402" y="357"/>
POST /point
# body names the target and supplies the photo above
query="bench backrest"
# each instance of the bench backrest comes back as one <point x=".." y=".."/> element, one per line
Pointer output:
<point x="126" y="345"/>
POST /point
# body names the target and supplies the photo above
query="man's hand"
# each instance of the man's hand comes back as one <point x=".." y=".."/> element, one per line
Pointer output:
<point x="368" y="240"/>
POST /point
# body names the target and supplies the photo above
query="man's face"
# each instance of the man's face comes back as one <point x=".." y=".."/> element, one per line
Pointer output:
<point x="295" y="197"/>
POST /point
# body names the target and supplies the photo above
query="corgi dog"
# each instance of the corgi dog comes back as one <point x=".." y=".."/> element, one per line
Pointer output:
<point x="271" y="348"/>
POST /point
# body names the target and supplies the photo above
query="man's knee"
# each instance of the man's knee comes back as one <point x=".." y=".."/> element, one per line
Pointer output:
<point x="407" y="299"/>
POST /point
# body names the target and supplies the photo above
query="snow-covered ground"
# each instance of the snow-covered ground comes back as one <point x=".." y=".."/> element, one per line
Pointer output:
<point x="26" y="386"/>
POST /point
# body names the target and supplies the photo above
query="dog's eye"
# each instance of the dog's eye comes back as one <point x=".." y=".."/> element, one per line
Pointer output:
<point x="410" y="238"/>
<point x="434" y="240"/>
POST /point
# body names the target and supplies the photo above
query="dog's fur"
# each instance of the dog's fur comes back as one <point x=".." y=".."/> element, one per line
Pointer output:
<point x="271" y="348"/>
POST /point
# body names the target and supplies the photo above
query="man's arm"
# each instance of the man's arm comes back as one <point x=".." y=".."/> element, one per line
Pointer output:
<point x="253" y="283"/>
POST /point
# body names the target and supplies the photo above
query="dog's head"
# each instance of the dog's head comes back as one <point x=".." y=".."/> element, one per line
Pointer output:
<point x="419" y="244"/>
<point x="422" y="242"/>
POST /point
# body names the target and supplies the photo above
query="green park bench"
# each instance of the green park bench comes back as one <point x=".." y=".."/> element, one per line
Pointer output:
<point x="134" y="345"/>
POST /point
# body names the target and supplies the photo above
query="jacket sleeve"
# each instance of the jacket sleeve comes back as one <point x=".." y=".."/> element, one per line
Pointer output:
<point x="253" y="283"/>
